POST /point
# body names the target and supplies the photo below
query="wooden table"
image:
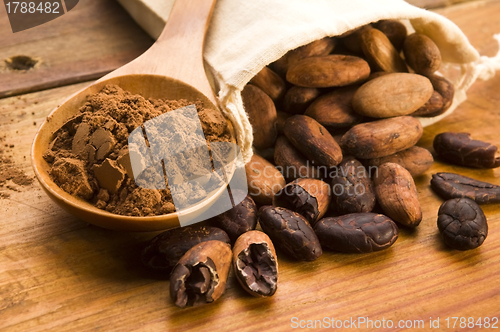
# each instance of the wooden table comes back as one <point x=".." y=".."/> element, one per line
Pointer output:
<point x="60" y="274"/>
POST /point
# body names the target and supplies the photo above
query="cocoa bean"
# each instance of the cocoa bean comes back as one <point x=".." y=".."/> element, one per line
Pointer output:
<point x="263" y="179"/>
<point x="394" y="30"/>
<point x="357" y="232"/>
<point x="416" y="160"/>
<point x="298" y="98"/>
<point x="422" y="54"/>
<point x="380" y="53"/>
<point x="238" y="220"/>
<point x="450" y="185"/>
<point x="269" y="82"/>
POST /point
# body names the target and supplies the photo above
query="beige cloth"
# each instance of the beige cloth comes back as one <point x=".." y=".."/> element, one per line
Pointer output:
<point x="246" y="35"/>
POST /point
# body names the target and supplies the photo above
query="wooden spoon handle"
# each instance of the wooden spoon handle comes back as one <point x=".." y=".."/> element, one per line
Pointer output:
<point x="178" y="52"/>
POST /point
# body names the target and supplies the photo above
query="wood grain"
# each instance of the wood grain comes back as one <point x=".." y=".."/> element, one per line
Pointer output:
<point x="94" y="38"/>
<point x="60" y="274"/>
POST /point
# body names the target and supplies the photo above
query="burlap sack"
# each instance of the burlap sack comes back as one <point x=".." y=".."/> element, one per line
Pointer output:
<point x="244" y="36"/>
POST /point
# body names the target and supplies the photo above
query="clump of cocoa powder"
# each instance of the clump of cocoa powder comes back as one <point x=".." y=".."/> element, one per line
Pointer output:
<point x="89" y="155"/>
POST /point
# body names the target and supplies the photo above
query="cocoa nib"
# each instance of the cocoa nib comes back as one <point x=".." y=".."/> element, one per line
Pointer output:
<point x="290" y="232"/>
<point x="462" y="224"/>
<point x="460" y="149"/>
<point x="450" y="185"/>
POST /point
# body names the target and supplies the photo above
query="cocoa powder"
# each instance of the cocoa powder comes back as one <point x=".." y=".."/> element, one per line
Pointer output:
<point x="89" y="153"/>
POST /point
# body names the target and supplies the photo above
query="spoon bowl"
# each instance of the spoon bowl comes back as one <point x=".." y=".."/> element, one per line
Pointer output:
<point x="171" y="69"/>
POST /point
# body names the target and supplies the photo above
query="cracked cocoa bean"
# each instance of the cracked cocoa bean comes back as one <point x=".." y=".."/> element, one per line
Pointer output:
<point x="290" y="232"/>
<point x="255" y="264"/>
<point x="309" y="197"/>
<point x="352" y="189"/>
<point x="462" y="224"/>
<point x="460" y="149"/>
<point x="238" y="220"/>
<point x="357" y="232"/>
<point x="165" y="249"/>
<point x="200" y="275"/>
<point x="450" y="185"/>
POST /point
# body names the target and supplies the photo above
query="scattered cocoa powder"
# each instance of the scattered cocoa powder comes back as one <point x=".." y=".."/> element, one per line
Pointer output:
<point x="10" y="172"/>
<point x="89" y="154"/>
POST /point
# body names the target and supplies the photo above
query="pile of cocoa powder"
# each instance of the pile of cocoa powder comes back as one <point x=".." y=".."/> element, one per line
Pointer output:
<point x="89" y="153"/>
<point x="10" y="172"/>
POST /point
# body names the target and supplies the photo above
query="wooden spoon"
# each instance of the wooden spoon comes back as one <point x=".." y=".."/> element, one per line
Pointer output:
<point x="171" y="69"/>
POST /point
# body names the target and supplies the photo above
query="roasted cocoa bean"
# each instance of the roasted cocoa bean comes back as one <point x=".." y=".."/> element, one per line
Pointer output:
<point x="422" y="54"/>
<point x="309" y="197"/>
<point x="397" y="194"/>
<point x="328" y="71"/>
<point x="298" y="98"/>
<point x="392" y="95"/>
<point x="290" y="232"/>
<point x="269" y="82"/>
<point x="313" y="140"/>
<point x="352" y="189"/>
<point x="394" y="30"/>
<point x="462" y="224"/>
<point x="357" y="232"/>
<point x="263" y="179"/>
<point x="200" y="275"/>
<point x="165" y="249"/>
<point x="382" y="138"/>
<point x="334" y="110"/>
<point x="445" y="89"/>
<point x="380" y="53"/>
<point x="238" y="220"/>
<point x="294" y="164"/>
<point x="255" y="264"/>
<point x="433" y="106"/>
<point x="352" y="39"/>
<point x="262" y="116"/>
<point x="416" y="160"/>
<point x="316" y="48"/>
<point x="460" y="149"/>
<point x="280" y="121"/>
<point x="450" y="185"/>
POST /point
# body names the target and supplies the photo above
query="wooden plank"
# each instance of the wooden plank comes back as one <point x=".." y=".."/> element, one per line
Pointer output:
<point x="61" y="274"/>
<point x="94" y="38"/>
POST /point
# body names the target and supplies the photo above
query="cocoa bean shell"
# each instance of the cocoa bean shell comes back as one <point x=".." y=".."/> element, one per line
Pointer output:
<point x="255" y="264"/>
<point x="200" y="275"/>
<point x="238" y="220"/>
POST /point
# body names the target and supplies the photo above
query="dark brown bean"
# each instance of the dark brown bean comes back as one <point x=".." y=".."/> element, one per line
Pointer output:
<point x="165" y="249"/>
<point x="200" y="275"/>
<point x="422" y="54"/>
<point x="357" y="232"/>
<point x="294" y="164"/>
<point x="269" y="82"/>
<point x="309" y="197"/>
<point x="352" y="189"/>
<point x="290" y="232"/>
<point x="255" y="263"/>
<point x="460" y="149"/>
<point x="240" y="219"/>
<point x="432" y="107"/>
<point x="445" y="89"/>
<point x="462" y="224"/>
<point x="450" y="185"/>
